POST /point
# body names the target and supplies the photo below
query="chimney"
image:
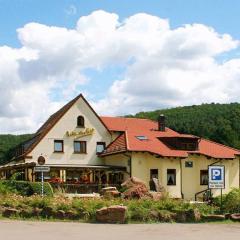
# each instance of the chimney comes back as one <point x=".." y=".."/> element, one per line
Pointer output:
<point x="161" y="123"/>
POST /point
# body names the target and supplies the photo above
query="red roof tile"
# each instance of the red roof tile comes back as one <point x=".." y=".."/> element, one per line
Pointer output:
<point x="119" y="145"/>
<point x="133" y="127"/>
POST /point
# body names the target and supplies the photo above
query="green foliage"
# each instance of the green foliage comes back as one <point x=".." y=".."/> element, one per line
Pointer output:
<point x="4" y="190"/>
<point x="206" y="209"/>
<point x="218" y="122"/>
<point x="25" y="188"/>
<point x="8" y="143"/>
<point x="37" y="201"/>
<point x="143" y="210"/>
<point x="140" y="210"/>
<point x="37" y="188"/>
<point x="230" y="201"/>
<point x="21" y="187"/>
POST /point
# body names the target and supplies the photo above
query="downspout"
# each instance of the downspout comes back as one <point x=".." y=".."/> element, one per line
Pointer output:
<point x="130" y="163"/>
<point x="130" y="156"/>
<point x="181" y="185"/>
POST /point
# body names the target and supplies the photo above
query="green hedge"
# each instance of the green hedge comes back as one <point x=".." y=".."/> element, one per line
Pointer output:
<point x="25" y="188"/>
<point x="37" y="188"/>
<point x="230" y="201"/>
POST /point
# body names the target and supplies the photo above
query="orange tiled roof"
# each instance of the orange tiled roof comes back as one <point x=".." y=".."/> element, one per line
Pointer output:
<point x="119" y="145"/>
<point x="133" y="127"/>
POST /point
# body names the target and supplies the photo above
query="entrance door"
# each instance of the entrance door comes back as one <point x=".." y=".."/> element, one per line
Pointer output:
<point x="153" y="173"/>
<point x="153" y="183"/>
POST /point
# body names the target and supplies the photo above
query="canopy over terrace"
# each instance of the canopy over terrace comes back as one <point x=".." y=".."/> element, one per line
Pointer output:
<point x="67" y="173"/>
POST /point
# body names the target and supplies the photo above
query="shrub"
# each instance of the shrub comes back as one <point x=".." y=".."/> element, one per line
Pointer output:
<point x="21" y="187"/>
<point x="206" y="209"/>
<point x="166" y="216"/>
<point x="62" y="203"/>
<point x="25" y="188"/>
<point x="139" y="210"/>
<point x="38" y="202"/>
<point x="138" y="213"/>
<point x="4" y="189"/>
<point x="143" y="210"/>
<point x="231" y="201"/>
<point x="37" y="188"/>
<point x="91" y="206"/>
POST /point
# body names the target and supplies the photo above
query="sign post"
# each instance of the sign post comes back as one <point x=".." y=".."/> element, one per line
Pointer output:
<point x="42" y="169"/>
<point x="42" y="181"/>
<point x="216" y="178"/>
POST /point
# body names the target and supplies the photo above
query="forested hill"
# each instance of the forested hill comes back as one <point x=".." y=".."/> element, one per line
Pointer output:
<point x="8" y="142"/>
<point x="218" y="122"/>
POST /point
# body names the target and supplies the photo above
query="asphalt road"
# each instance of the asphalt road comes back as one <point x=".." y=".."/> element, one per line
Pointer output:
<point x="24" y="230"/>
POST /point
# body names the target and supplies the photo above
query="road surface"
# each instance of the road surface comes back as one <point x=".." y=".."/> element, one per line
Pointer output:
<point x="24" y="230"/>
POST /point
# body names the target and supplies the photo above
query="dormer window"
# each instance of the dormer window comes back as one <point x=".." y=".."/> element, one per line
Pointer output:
<point x="142" y="137"/>
<point x="80" y="121"/>
<point x="186" y="143"/>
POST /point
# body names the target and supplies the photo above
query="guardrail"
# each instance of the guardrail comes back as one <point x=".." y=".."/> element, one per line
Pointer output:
<point x="206" y="195"/>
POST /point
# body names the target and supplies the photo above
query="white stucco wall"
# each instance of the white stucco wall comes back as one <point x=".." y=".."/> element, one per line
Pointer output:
<point x="143" y="162"/>
<point x="69" y="123"/>
<point x="191" y="176"/>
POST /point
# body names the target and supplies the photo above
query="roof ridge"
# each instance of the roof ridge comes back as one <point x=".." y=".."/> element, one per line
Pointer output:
<point x="148" y="119"/>
<point x="67" y="105"/>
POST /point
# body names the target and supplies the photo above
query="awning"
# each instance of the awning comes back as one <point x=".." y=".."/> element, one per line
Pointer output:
<point x="85" y="166"/>
<point x="63" y="166"/>
<point x="17" y="166"/>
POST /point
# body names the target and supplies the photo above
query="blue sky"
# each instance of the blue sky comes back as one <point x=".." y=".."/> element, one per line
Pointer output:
<point x="223" y="15"/>
<point x="179" y="52"/>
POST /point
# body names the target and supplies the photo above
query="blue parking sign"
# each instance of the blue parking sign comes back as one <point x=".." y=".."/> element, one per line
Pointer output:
<point x="216" y="178"/>
<point x="216" y="173"/>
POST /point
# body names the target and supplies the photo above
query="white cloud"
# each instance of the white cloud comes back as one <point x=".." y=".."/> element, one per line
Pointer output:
<point x="165" y="67"/>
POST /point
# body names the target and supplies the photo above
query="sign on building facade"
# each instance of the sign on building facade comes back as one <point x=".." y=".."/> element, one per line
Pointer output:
<point x="216" y="177"/>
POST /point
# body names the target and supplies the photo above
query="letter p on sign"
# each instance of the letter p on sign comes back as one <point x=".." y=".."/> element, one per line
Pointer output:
<point x="216" y="174"/>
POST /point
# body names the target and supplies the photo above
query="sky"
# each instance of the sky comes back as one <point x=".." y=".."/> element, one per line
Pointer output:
<point x="124" y="56"/>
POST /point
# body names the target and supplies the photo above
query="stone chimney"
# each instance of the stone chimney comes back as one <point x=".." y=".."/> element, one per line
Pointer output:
<point x="161" y="123"/>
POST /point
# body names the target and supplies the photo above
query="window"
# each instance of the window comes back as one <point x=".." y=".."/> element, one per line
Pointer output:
<point x="80" y="121"/>
<point x="203" y="177"/>
<point x="100" y="147"/>
<point x="80" y="147"/>
<point x="188" y="146"/>
<point x="141" y="138"/>
<point x="153" y="173"/>
<point x="171" y="177"/>
<point x="58" y="145"/>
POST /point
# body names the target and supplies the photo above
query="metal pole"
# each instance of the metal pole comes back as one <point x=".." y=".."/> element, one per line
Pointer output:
<point x="42" y="184"/>
<point x="221" y="201"/>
